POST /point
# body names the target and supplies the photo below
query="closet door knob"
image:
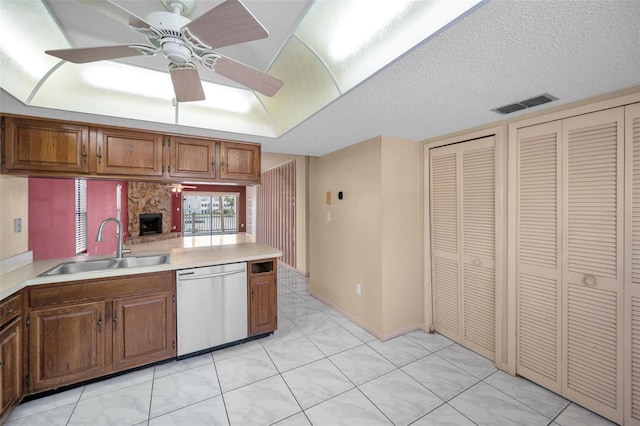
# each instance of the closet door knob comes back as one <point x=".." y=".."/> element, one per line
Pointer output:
<point x="477" y="262"/>
<point x="589" y="280"/>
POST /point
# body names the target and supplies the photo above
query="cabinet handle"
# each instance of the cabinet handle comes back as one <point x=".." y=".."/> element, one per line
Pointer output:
<point x="8" y="311"/>
<point x="222" y="165"/>
<point x="213" y="161"/>
<point x="99" y="155"/>
<point x="100" y="321"/>
<point x="253" y="293"/>
<point x="1" y="363"/>
<point x="84" y="151"/>
<point x="589" y="280"/>
<point x="115" y="319"/>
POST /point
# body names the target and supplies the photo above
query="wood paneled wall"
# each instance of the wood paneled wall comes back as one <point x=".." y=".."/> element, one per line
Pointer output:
<point x="276" y="216"/>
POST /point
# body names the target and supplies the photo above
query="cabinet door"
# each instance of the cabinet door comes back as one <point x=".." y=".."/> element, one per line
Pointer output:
<point x="128" y="153"/>
<point x="10" y="366"/>
<point x="239" y="161"/>
<point x="263" y="304"/>
<point x="143" y="330"/>
<point x="192" y="158"/>
<point x="46" y="146"/>
<point x="66" y="345"/>
<point x="632" y="262"/>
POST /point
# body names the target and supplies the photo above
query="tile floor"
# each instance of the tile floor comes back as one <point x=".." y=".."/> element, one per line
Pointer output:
<point x="319" y="369"/>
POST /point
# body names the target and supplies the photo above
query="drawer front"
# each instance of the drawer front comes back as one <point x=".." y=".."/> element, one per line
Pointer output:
<point x="98" y="289"/>
<point x="10" y="309"/>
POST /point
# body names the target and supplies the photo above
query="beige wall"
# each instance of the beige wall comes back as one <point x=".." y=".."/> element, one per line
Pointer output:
<point x="374" y="235"/>
<point x="14" y="193"/>
<point x="270" y="161"/>
<point x="402" y="235"/>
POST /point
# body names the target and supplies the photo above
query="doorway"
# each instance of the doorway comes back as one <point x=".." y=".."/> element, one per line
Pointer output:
<point x="209" y="214"/>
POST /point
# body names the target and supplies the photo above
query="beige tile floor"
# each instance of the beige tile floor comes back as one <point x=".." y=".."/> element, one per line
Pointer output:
<point x="320" y="369"/>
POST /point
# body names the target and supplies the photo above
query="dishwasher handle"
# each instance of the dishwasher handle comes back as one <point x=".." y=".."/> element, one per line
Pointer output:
<point x="191" y="275"/>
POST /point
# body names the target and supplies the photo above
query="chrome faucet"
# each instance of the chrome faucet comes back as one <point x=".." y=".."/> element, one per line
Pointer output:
<point x="118" y="235"/>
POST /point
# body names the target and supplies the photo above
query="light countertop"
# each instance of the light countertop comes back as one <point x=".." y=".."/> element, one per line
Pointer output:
<point x="187" y="252"/>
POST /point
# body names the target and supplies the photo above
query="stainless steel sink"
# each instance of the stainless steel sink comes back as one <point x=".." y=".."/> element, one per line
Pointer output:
<point x="104" y="264"/>
<point x="132" y="262"/>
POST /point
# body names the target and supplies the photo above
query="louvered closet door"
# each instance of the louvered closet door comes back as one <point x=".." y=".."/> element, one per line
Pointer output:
<point x="445" y="246"/>
<point x="538" y="242"/>
<point x="463" y="243"/>
<point x="593" y="153"/>
<point x="478" y="246"/>
<point x="632" y="263"/>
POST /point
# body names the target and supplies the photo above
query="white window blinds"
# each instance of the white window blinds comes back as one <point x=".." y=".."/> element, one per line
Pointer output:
<point x="81" y="216"/>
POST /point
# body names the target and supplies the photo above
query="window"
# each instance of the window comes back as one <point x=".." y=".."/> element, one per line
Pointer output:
<point x="81" y="216"/>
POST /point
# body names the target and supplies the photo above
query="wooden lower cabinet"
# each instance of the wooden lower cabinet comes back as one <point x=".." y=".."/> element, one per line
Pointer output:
<point x="10" y="367"/>
<point x="67" y="344"/>
<point x="263" y="297"/>
<point x="143" y="330"/>
<point x="86" y="329"/>
<point x="11" y="354"/>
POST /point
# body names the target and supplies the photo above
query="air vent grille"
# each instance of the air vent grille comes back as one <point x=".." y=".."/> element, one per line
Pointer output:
<point x="527" y="103"/>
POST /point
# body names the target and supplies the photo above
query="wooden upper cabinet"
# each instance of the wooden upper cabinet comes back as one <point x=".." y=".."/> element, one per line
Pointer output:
<point x="239" y="161"/>
<point x="45" y="146"/>
<point x="127" y="153"/>
<point x="192" y="158"/>
<point x="56" y="148"/>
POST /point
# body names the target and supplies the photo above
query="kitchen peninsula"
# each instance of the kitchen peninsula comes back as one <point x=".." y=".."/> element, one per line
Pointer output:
<point x="64" y="329"/>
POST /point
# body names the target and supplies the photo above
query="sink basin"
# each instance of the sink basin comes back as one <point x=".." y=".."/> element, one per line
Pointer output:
<point x="104" y="264"/>
<point x="77" y="267"/>
<point x="132" y="262"/>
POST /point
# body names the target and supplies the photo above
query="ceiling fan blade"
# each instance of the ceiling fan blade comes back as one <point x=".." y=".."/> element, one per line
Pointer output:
<point x="248" y="76"/>
<point x="186" y="83"/>
<point x="226" y="24"/>
<point x="119" y="13"/>
<point x="92" y="54"/>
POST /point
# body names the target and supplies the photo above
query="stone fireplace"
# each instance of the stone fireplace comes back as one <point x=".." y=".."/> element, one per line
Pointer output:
<point x="148" y="200"/>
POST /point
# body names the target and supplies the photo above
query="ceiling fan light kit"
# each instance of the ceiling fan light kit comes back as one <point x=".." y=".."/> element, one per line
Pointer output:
<point x="182" y="41"/>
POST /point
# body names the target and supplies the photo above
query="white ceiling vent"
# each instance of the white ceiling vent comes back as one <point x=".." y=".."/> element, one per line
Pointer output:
<point x="527" y="103"/>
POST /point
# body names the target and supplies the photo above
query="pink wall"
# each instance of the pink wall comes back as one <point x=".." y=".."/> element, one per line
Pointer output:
<point x="52" y="218"/>
<point x="101" y="204"/>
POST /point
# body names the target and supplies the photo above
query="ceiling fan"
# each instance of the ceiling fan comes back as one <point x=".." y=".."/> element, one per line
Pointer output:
<point x="178" y="187"/>
<point x="183" y="42"/>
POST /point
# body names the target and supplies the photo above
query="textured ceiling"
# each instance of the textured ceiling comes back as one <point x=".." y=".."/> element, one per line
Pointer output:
<point x="502" y="52"/>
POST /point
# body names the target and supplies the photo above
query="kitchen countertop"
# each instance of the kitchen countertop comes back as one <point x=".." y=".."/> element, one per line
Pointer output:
<point x="187" y="252"/>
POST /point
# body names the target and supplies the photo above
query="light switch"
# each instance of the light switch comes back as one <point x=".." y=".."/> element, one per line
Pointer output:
<point x="17" y="225"/>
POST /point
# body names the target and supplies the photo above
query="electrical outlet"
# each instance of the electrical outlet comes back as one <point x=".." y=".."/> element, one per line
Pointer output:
<point x="17" y="225"/>
<point x="358" y="289"/>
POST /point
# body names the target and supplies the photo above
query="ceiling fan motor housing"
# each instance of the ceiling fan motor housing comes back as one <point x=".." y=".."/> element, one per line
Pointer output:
<point x="170" y="25"/>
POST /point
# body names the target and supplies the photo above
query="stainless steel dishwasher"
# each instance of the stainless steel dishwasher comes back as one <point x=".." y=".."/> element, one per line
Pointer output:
<point x="211" y="306"/>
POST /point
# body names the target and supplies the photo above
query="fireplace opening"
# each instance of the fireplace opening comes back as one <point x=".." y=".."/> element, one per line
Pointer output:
<point x="151" y="223"/>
